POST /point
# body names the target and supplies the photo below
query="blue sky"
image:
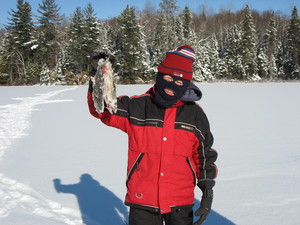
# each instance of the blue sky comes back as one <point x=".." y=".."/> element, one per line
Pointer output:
<point x="105" y="9"/>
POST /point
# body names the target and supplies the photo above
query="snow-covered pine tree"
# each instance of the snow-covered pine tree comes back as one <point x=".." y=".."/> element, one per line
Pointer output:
<point x="248" y="46"/>
<point x="292" y="63"/>
<point x="217" y="65"/>
<point x="49" y="21"/>
<point x="213" y="55"/>
<point x="262" y="63"/>
<point x="232" y="56"/>
<point x="169" y="9"/>
<point x="188" y="29"/>
<point x="90" y="35"/>
<point x="45" y="75"/>
<point x="178" y="31"/>
<point x="158" y="47"/>
<point x="266" y="60"/>
<point x="272" y="43"/>
<point x="20" y="42"/>
<point x="146" y="70"/>
<point x="104" y="36"/>
<point x="187" y="21"/>
<point x="6" y="76"/>
<point x="131" y="48"/>
<point x="209" y="66"/>
<point x="202" y="71"/>
<point x="75" y="53"/>
<point x="21" y="27"/>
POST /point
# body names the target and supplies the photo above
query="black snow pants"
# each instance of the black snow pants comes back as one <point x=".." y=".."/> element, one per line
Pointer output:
<point x="179" y="216"/>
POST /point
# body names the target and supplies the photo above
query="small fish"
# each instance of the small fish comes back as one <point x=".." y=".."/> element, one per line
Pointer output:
<point x="104" y="88"/>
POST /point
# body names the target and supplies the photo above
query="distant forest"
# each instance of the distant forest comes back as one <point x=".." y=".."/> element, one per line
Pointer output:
<point x="46" y="47"/>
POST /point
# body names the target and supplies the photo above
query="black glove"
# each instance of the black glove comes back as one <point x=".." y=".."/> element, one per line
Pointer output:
<point x="96" y="56"/>
<point x="207" y="199"/>
<point x="91" y="84"/>
<point x="101" y="54"/>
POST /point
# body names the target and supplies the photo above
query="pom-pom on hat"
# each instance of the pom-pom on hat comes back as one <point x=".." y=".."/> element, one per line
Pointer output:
<point x="179" y="62"/>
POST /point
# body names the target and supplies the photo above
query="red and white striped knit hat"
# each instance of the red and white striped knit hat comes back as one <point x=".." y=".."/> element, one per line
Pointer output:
<point x="179" y="62"/>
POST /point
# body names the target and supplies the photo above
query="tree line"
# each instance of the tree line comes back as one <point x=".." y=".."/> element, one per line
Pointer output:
<point x="50" y="48"/>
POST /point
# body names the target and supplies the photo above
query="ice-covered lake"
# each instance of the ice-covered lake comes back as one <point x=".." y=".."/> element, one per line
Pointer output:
<point x="47" y="133"/>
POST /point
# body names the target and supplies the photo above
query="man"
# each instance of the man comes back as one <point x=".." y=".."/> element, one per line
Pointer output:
<point x="169" y="146"/>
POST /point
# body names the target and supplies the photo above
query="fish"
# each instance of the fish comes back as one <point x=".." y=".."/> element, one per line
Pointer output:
<point x="104" y="87"/>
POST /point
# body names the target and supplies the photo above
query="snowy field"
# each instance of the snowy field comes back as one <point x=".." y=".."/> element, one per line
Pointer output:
<point x="46" y="133"/>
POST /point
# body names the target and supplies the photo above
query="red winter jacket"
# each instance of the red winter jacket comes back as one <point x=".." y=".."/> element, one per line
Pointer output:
<point x="169" y="150"/>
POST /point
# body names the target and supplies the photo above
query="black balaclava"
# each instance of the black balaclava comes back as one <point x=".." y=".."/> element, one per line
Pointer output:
<point x="162" y="98"/>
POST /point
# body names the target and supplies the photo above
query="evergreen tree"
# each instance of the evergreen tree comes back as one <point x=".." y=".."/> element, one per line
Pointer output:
<point x="6" y="77"/>
<point x="202" y="70"/>
<point x="20" y="41"/>
<point x="90" y="35"/>
<point x="132" y="55"/>
<point x="21" y="25"/>
<point x="178" y="31"/>
<point x="146" y="71"/>
<point x="184" y="32"/>
<point x="293" y="46"/>
<point x="217" y="65"/>
<point x="248" y="46"/>
<point x="84" y="38"/>
<point x="213" y="55"/>
<point x="104" y="36"/>
<point x="188" y="35"/>
<point x="159" y="47"/>
<point x="232" y="54"/>
<point x="262" y="64"/>
<point x="187" y="22"/>
<point x="169" y="9"/>
<point x="76" y="31"/>
<point x="209" y="65"/>
<point x="49" y="21"/>
<point x="266" y="59"/>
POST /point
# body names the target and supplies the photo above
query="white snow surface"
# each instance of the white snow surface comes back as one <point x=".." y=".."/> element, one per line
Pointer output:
<point x="47" y="133"/>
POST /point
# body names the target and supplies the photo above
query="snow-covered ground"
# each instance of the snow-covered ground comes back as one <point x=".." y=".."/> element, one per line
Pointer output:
<point x="46" y="133"/>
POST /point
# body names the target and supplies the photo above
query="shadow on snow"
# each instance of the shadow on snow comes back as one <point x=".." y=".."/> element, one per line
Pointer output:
<point x="99" y="206"/>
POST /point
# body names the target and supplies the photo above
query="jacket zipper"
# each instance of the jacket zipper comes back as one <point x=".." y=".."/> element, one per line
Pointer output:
<point x="193" y="171"/>
<point x="135" y="167"/>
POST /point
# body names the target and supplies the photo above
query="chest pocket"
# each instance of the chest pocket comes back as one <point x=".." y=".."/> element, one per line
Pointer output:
<point x="185" y="139"/>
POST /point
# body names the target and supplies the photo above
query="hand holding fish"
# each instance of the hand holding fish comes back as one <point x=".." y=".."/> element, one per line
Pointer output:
<point x="103" y="84"/>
